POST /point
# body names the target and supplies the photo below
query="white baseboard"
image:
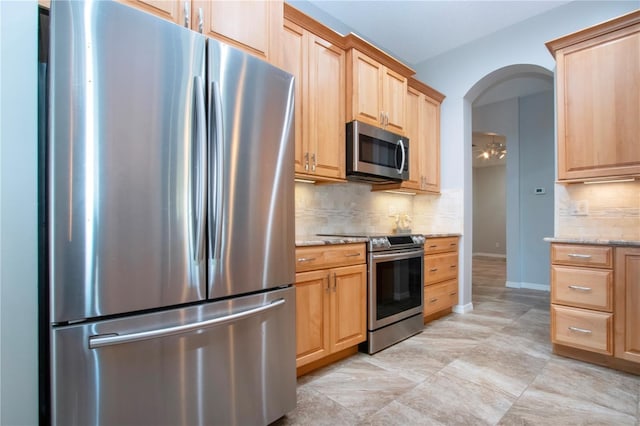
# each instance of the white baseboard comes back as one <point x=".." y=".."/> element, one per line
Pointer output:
<point x="530" y="286"/>
<point x="501" y="256"/>
<point x="462" y="309"/>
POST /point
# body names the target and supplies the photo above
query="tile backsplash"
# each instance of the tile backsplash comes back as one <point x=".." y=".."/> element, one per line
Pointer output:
<point x="606" y="211"/>
<point x="352" y="207"/>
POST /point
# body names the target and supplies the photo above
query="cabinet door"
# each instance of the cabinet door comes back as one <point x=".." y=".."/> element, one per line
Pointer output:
<point x="324" y="121"/>
<point x="627" y="301"/>
<point x="366" y="92"/>
<point x="348" y="306"/>
<point x="599" y="106"/>
<point x="312" y="316"/>
<point x="171" y="10"/>
<point x="415" y="141"/>
<point x="252" y="25"/>
<point x="293" y="61"/>
<point x="430" y="145"/>
<point x="394" y="94"/>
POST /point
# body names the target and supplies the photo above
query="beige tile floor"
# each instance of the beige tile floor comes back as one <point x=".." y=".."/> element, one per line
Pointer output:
<point x="492" y="366"/>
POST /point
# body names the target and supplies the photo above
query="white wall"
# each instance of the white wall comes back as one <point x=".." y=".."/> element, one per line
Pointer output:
<point x="537" y="170"/>
<point x="489" y="211"/>
<point x="455" y="73"/>
<point x="18" y="214"/>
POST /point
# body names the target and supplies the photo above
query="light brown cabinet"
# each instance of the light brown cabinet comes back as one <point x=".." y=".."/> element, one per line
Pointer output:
<point x="440" y="276"/>
<point x="581" y="297"/>
<point x="174" y="11"/>
<point x="318" y="63"/>
<point x="598" y="101"/>
<point x="253" y="25"/>
<point x="627" y="314"/>
<point x="330" y="301"/>
<point x="377" y="93"/>
<point x="376" y="86"/>
<point x="423" y="131"/>
<point x="595" y="294"/>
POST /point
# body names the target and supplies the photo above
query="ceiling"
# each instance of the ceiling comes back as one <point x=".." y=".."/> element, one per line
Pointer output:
<point x="414" y="31"/>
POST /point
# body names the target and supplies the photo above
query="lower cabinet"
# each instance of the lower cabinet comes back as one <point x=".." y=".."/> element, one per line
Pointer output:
<point x="331" y="307"/>
<point x="440" y="276"/>
<point x="627" y="290"/>
<point x="595" y="294"/>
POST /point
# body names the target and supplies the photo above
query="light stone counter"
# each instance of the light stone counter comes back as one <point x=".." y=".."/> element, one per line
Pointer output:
<point x="427" y="236"/>
<point x="598" y="241"/>
<point x="318" y="240"/>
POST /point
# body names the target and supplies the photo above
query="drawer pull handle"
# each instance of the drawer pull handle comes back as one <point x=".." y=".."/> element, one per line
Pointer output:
<point x="433" y="300"/>
<point x="433" y="269"/>
<point x="306" y="259"/>
<point x="579" y="256"/>
<point x="433" y="246"/>
<point x="579" y="287"/>
<point x="453" y="266"/>
<point x="453" y="293"/>
<point x="453" y="244"/>
<point x="580" y="330"/>
<point x="352" y="255"/>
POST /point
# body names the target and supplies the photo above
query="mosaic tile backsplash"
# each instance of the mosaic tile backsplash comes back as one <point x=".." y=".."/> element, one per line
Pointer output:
<point x="352" y="207"/>
<point x="605" y="211"/>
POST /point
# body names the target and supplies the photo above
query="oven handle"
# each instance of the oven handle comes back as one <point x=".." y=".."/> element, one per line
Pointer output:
<point x="398" y="255"/>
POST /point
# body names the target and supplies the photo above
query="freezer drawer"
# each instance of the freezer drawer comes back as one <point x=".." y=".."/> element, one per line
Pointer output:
<point x="124" y="372"/>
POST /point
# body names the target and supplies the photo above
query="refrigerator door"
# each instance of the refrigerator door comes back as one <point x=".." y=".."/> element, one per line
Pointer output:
<point x="166" y="369"/>
<point x="251" y="214"/>
<point x="127" y="161"/>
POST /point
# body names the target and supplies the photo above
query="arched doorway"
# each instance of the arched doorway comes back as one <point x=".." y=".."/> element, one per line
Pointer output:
<point x="511" y="93"/>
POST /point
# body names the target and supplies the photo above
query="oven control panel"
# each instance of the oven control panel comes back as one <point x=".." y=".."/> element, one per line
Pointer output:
<point x="391" y="242"/>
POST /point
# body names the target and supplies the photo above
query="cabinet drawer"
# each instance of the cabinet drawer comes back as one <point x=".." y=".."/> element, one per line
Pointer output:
<point x="582" y="255"/>
<point x="439" y="296"/>
<point x="322" y="257"/>
<point x="438" y="245"/>
<point x="582" y="329"/>
<point x="582" y="287"/>
<point x="440" y="267"/>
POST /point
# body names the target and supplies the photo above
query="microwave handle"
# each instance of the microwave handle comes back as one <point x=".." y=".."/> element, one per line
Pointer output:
<point x="401" y="145"/>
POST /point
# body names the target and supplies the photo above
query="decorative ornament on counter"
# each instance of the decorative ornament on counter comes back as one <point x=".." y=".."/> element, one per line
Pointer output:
<point x="403" y="223"/>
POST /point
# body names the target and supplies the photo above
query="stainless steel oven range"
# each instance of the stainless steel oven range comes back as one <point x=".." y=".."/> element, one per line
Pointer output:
<point x="395" y="289"/>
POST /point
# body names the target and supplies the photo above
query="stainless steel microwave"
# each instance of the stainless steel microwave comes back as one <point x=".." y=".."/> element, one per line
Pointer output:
<point x="375" y="155"/>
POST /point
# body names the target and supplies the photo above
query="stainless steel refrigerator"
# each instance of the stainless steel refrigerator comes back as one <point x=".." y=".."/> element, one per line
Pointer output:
<point x="170" y="225"/>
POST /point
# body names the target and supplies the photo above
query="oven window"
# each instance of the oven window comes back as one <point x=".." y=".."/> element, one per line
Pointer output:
<point x="398" y="286"/>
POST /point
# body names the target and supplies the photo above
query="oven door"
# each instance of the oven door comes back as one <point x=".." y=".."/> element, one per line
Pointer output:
<point x="395" y="286"/>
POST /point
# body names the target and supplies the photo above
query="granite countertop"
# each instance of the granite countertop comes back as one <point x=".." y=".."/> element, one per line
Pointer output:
<point x="594" y="241"/>
<point x="442" y="235"/>
<point x="323" y="240"/>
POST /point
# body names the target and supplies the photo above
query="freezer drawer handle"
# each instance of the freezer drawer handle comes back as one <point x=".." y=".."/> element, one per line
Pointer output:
<point x="115" y="339"/>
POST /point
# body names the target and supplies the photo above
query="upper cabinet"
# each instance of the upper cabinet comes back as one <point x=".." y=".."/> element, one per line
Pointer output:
<point x="174" y="11"/>
<point x="314" y="55"/>
<point x="423" y="131"/>
<point x="376" y="86"/>
<point x="598" y="100"/>
<point x="253" y="25"/>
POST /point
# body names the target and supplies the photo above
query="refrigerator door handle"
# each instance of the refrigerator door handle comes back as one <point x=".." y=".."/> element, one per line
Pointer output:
<point x="215" y="123"/>
<point x="200" y="187"/>
<point x="116" y="339"/>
